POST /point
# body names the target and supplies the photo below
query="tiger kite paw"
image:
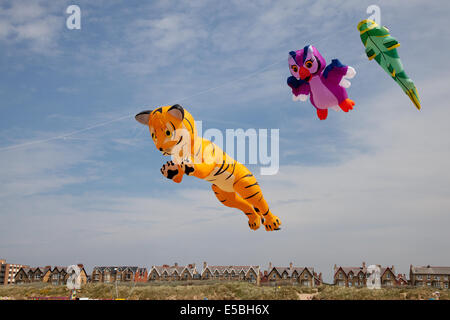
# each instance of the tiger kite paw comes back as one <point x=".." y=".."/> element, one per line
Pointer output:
<point x="187" y="166"/>
<point x="272" y="222"/>
<point x="172" y="171"/>
<point x="254" y="221"/>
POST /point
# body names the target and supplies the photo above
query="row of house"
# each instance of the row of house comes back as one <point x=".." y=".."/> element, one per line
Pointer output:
<point x="48" y="274"/>
<point x="437" y="277"/>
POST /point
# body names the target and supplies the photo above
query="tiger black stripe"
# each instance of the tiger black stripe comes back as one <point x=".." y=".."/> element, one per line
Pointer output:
<point x="247" y="175"/>
<point x="265" y="214"/>
<point x="220" y="172"/>
<point x="192" y="129"/>
<point x="248" y="214"/>
<point x="255" y="184"/>
<point x="158" y="110"/>
<point x="223" y="163"/>
<point x="199" y="149"/>
<point x="252" y="195"/>
<point x="234" y="167"/>
<point x="223" y="200"/>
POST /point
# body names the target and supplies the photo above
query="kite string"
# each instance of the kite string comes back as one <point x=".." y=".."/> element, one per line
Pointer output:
<point x="62" y="136"/>
<point x="101" y="124"/>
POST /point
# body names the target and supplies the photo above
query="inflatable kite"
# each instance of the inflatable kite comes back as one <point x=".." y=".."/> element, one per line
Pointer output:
<point x="382" y="47"/>
<point x="174" y="133"/>
<point x="325" y="85"/>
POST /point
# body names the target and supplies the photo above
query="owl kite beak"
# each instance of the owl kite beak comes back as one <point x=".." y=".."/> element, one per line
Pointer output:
<point x="304" y="73"/>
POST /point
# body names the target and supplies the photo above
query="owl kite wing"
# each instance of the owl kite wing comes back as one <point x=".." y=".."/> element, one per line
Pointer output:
<point x="336" y="72"/>
<point x="298" y="86"/>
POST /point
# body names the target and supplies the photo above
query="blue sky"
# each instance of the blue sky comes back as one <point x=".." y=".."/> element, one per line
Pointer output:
<point x="370" y="185"/>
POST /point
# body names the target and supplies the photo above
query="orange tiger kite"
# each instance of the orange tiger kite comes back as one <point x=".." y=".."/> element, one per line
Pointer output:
<point x="174" y="133"/>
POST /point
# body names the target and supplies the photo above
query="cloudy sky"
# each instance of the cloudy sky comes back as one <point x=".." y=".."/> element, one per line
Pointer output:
<point x="80" y="179"/>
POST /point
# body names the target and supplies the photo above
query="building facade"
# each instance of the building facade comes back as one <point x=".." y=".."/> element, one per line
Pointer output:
<point x="356" y="277"/>
<point x="231" y="273"/>
<point x="173" y="273"/>
<point x="113" y="274"/>
<point x="303" y="276"/>
<point x="54" y="276"/>
<point x="429" y="276"/>
<point x="8" y="272"/>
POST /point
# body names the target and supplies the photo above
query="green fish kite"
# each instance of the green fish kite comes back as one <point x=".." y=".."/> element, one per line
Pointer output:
<point x="381" y="46"/>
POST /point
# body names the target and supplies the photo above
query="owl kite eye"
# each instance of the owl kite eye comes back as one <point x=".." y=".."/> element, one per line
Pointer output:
<point x="168" y="133"/>
<point x="308" y="64"/>
<point x="294" y="68"/>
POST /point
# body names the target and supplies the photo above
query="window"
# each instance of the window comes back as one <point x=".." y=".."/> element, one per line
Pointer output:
<point x="438" y="278"/>
<point x="350" y="275"/>
<point x="361" y="275"/>
<point x="428" y="277"/>
<point x="55" y="276"/>
<point x="37" y="276"/>
<point x="349" y="284"/>
<point x="446" y="285"/>
<point x="388" y="276"/>
<point x="446" y="278"/>
<point x="341" y="276"/>
<point x="306" y="276"/>
<point x="419" y="277"/>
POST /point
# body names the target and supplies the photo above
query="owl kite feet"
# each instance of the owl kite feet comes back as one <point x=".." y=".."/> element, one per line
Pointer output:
<point x="272" y="222"/>
<point x="254" y="221"/>
<point x="322" y="113"/>
<point x="347" y="105"/>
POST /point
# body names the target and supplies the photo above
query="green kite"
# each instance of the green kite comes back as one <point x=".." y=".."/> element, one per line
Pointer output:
<point x="382" y="47"/>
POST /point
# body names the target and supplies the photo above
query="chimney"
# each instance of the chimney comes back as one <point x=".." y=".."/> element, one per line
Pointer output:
<point x="205" y="264"/>
<point x="176" y="264"/>
<point x="80" y="265"/>
<point x="290" y="265"/>
<point x="265" y="272"/>
<point x="270" y="266"/>
<point x="47" y="267"/>
<point x="364" y="264"/>
<point x="192" y="265"/>
<point x="335" y="266"/>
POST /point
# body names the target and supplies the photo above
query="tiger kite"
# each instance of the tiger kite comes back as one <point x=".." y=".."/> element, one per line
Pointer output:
<point x="174" y="133"/>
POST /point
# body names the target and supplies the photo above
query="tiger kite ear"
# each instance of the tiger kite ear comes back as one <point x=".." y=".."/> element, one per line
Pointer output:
<point x="176" y="111"/>
<point x="143" y="117"/>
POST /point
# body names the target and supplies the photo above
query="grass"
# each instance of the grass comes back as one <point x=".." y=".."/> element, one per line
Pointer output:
<point x="217" y="291"/>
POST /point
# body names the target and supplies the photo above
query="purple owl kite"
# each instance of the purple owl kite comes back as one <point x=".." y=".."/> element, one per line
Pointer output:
<point x="325" y="85"/>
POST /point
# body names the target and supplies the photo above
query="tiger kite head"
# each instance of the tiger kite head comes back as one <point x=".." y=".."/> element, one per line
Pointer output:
<point x="172" y="129"/>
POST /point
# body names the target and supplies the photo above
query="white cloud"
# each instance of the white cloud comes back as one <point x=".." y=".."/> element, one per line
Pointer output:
<point x="32" y="23"/>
